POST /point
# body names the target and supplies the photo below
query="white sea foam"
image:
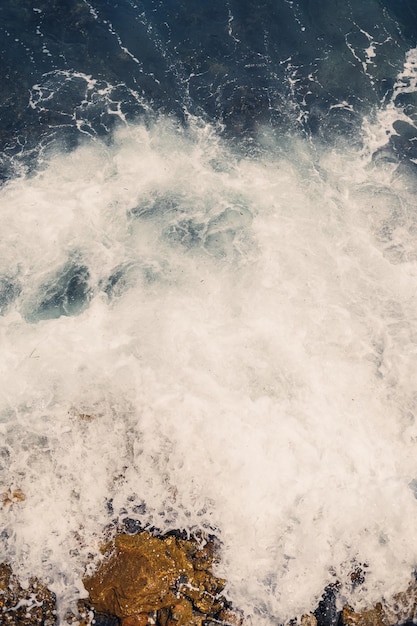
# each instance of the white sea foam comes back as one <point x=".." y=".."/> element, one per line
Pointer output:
<point x="249" y="367"/>
<point x="381" y="127"/>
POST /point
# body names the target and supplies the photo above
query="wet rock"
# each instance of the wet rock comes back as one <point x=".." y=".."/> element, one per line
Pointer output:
<point x="369" y="617"/>
<point x="308" y="619"/>
<point x="25" y="606"/>
<point x="399" y="609"/>
<point x="84" y="615"/>
<point x="403" y="606"/>
<point x="143" y="574"/>
<point x="12" y="497"/>
<point x="326" y="613"/>
<point x="358" y="576"/>
<point x="141" y="619"/>
<point x="180" y="613"/>
<point x="103" y="620"/>
<point x="236" y="619"/>
<point x="139" y="576"/>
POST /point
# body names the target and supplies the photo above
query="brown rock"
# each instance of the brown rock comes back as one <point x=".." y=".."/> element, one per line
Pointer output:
<point x="308" y="619"/>
<point x="403" y="606"/>
<point x="398" y="610"/>
<point x="232" y="618"/>
<point x="181" y="613"/>
<point x="29" y="606"/>
<point x="203" y="559"/>
<point x="142" y="574"/>
<point x="140" y="619"/>
<point x="81" y="616"/>
<point x="138" y="577"/>
<point x="368" y="617"/>
<point x="12" y="496"/>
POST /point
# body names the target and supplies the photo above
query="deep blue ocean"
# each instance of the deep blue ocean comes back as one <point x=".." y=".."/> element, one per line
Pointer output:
<point x="208" y="289"/>
<point x="77" y="68"/>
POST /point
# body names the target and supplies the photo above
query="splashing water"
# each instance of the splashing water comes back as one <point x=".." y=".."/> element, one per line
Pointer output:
<point x="212" y="341"/>
<point x="201" y="331"/>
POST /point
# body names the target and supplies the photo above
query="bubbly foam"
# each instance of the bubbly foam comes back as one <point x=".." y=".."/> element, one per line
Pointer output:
<point x="195" y="339"/>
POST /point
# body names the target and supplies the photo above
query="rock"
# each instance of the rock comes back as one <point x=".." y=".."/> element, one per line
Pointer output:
<point x="29" y="606"/>
<point x="140" y="619"/>
<point x="368" y="617"/>
<point x="139" y="576"/>
<point x="142" y="574"/>
<point x="180" y="614"/>
<point x="234" y="618"/>
<point x="102" y="620"/>
<point x="308" y="619"/>
<point x="401" y="608"/>
<point x="326" y="613"/>
<point x="85" y="616"/>
<point x="12" y="497"/>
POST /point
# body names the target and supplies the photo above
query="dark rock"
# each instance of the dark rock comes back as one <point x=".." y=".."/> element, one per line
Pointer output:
<point x="29" y="606"/>
<point x="326" y="613"/>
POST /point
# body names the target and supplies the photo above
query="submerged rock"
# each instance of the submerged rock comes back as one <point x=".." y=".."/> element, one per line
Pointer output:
<point x="167" y="577"/>
<point x="12" y="497"/>
<point x="25" y="606"/>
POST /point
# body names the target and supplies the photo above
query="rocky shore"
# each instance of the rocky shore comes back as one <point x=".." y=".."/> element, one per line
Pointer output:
<point x="28" y="605"/>
<point x="167" y="580"/>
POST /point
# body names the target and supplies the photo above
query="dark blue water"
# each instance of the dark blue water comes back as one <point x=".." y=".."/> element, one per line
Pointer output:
<point x="296" y="66"/>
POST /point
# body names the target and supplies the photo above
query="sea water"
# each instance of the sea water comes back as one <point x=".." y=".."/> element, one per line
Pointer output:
<point x="208" y="293"/>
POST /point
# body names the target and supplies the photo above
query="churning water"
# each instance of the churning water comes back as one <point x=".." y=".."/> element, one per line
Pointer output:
<point x="208" y="288"/>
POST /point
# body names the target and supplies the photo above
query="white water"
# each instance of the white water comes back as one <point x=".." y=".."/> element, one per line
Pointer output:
<point x="259" y="378"/>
